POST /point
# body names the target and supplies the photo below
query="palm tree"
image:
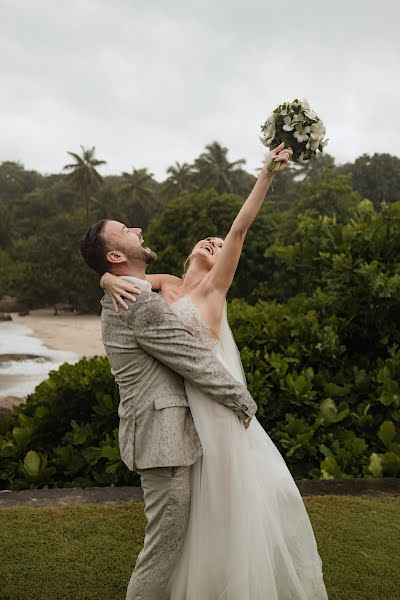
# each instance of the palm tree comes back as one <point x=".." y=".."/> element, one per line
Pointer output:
<point x="180" y="179"/>
<point x="213" y="169"/>
<point x="84" y="176"/>
<point x="139" y="188"/>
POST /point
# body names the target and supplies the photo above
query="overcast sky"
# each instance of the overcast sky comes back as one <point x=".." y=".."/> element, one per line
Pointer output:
<point x="148" y="83"/>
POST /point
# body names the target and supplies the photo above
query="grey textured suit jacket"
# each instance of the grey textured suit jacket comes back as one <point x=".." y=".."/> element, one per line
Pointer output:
<point x="151" y="353"/>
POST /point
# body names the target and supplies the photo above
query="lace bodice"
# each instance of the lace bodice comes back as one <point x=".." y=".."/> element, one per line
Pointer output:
<point x="189" y="315"/>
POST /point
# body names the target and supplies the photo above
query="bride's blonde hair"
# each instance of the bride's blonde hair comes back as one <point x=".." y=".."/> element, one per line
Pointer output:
<point x="186" y="264"/>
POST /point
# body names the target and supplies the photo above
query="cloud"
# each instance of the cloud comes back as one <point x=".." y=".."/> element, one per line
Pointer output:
<point x="151" y="83"/>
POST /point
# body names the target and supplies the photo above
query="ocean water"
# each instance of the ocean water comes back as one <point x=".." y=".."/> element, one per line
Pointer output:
<point x="19" y="378"/>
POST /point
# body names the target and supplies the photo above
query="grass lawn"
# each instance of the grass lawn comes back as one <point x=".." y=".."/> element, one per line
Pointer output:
<point x="87" y="552"/>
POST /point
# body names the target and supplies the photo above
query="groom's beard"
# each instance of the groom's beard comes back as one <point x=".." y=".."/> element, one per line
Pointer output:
<point x="149" y="256"/>
<point x="142" y="254"/>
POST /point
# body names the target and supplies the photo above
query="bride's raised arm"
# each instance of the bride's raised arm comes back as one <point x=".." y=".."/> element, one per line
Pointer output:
<point x="221" y="275"/>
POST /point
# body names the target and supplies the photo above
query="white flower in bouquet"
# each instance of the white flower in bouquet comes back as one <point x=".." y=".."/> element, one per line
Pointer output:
<point x="299" y="127"/>
<point x="312" y="144"/>
<point x="317" y="130"/>
<point x="289" y="124"/>
<point x="299" y="118"/>
<point x="301" y="133"/>
<point x="269" y="131"/>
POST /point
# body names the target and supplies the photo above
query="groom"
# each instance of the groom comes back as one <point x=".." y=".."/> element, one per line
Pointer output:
<point x="151" y="353"/>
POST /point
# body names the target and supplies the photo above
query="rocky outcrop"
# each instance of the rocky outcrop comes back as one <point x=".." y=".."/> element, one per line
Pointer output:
<point x="7" y="405"/>
<point x="4" y="316"/>
<point x="20" y="357"/>
<point x="9" y="304"/>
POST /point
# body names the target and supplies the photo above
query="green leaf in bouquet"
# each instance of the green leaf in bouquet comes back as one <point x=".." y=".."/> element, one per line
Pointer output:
<point x="387" y="433"/>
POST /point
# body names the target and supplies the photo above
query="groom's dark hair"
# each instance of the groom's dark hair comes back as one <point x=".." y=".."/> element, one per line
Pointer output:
<point x="93" y="248"/>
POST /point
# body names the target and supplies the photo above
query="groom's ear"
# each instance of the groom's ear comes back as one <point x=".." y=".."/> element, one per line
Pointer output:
<point x="115" y="257"/>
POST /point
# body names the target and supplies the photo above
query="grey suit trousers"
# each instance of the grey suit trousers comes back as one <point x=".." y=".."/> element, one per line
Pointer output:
<point x="167" y="506"/>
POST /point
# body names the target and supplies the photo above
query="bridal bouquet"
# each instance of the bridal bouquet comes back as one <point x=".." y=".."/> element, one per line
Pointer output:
<point x="298" y="126"/>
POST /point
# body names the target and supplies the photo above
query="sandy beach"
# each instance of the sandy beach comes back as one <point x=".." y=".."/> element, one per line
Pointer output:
<point x="73" y="333"/>
<point x="36" y="343"/>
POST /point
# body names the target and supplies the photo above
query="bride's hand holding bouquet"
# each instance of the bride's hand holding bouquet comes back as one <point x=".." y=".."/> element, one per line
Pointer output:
<point x="277" y="160"/>
<point x="295" y="125"/>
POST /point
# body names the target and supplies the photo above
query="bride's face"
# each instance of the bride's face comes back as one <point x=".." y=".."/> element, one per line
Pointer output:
<point x="207" y="250"/>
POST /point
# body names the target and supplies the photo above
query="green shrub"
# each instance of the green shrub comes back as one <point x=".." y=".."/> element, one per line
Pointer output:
<point x="323" y="363"/>
<point x="66" y="435"/>
<point x="331" y="412"/>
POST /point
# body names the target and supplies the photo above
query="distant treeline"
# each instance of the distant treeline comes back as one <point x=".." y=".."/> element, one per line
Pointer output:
<point x="44" y="216"/>
<point x="314" y="307"/>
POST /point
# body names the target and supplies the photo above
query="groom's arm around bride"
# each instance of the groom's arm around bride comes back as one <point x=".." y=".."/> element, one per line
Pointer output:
<point x="150" y="351"/>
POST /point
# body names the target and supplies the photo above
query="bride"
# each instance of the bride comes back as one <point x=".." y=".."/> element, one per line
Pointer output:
<point x="249" y="536"/>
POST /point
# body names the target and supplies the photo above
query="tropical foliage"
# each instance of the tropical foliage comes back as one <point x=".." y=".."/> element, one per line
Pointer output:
<point x="66" y="435"/>
<point x="139" y="190"/>
<point x="314" y="308"/>
<point x="84" y="177"/>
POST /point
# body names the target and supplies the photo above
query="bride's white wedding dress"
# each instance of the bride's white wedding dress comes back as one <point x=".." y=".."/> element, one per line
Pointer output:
<point x="249" y="536"/>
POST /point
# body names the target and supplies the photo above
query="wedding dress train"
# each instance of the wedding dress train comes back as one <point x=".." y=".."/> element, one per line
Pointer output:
<point x="249" y="535"/>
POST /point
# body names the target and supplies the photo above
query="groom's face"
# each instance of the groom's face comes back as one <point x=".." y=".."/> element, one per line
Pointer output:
<point x="125" y="244"/>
